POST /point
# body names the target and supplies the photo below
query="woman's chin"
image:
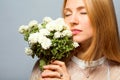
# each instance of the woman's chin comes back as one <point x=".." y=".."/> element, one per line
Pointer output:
<point x="77" y="40"/>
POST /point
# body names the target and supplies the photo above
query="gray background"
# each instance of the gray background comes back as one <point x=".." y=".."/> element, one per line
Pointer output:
<point x="14" y="64"/>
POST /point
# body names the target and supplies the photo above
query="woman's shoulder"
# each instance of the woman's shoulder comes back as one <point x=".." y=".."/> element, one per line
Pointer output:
<point x="35" y="75"/>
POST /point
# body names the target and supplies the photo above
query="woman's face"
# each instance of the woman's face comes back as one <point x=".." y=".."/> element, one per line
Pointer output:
<point x="76" y="17"/>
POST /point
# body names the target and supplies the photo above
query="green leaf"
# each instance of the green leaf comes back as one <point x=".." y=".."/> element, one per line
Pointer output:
<point x="42" y="62"/>
<point x="26" y="35"/>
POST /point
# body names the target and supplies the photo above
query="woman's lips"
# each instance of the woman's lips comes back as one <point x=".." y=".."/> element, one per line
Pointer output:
<point x="76" y="31"/>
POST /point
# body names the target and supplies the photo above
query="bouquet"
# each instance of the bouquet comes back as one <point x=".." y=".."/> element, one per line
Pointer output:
<point x="48" y="40"/>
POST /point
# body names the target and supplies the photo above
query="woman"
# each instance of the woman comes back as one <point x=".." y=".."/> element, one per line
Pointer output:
<point x="94" y="26"/>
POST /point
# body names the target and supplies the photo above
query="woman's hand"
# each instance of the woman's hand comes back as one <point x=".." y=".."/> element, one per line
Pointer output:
<point x="55" y="71"/>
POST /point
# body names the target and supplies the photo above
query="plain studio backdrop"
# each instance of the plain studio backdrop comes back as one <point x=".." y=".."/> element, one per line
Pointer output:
<point x="14" y="63"/>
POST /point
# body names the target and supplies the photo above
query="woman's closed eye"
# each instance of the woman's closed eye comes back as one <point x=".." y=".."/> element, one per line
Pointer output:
<point x="83" y="13"/>
<point x="66" y="15"/>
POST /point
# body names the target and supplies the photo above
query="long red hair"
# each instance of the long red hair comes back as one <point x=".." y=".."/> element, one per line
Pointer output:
<point x="106" y="41"/>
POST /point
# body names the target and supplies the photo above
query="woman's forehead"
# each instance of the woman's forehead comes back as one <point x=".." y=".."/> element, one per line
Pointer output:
<point x="74" y="3"/>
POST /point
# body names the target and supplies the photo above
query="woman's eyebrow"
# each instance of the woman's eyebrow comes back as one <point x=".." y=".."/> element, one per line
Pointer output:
<point x="78" y="8"/>
<point x="67" y="9"/>
<point x="81" y="7"/>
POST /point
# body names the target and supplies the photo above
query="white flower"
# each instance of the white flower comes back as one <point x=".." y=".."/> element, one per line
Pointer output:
<point x="60" y="21"/>
<point x="59" y="27"/>
<point x="46" y="43"/>
<point x="60" y="24"/>
<point x="33" y="38"/>
<point x="67" y="33"/>
<point x="33" y="23"/>
<point x="66" y="27"/>
<point x="40" y="26"/>
<point x="47" y="19"/>
<point x="44" y="32"/>
<point x="51" y="26"/>
<point x="57" y="35"/>
<point x="41" y="38"/>
<point x="75" y="44"/>
<point x="28" y="51"/>
<point x="23" y="28"/>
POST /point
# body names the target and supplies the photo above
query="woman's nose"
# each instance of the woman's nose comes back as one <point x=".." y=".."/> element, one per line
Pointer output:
<point x="74" y="20"/>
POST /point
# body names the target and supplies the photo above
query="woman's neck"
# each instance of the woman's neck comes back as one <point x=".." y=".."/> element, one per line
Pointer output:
<point x="83" y="49"/>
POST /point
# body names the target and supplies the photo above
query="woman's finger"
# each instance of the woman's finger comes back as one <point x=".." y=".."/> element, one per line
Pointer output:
<point x="50" y="74"/>
<point x="60" y="63"/>
<point x="53" y="67"/>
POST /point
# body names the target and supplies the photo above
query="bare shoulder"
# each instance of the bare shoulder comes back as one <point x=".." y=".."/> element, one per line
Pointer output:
<point x="35" y="75"/>
<point x="115" y="70"/>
